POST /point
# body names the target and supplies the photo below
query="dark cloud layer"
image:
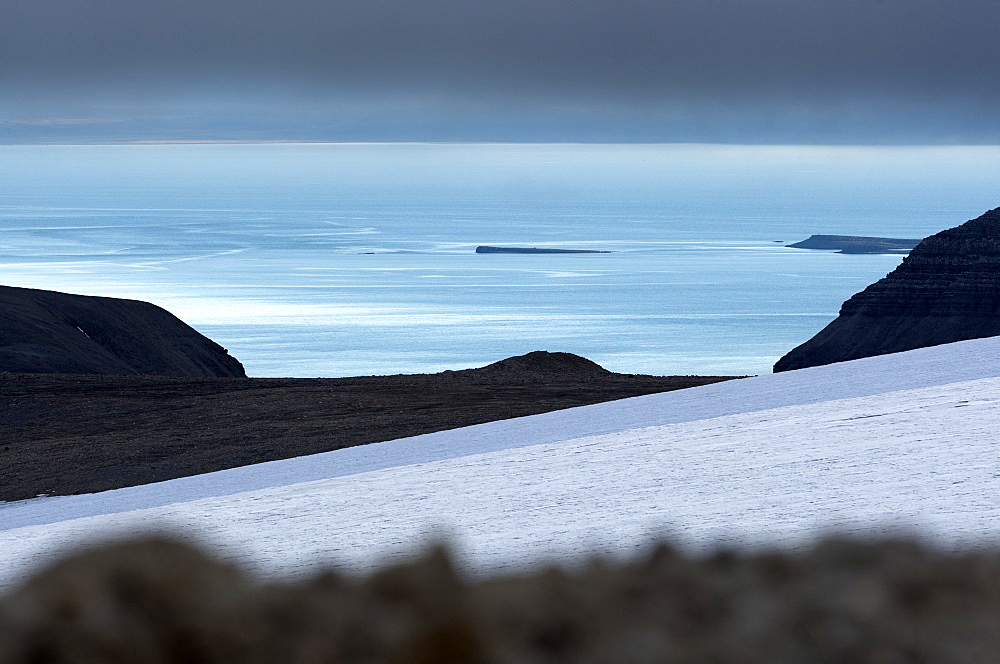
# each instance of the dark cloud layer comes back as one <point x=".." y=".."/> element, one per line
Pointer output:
<point x="630" y="69"/>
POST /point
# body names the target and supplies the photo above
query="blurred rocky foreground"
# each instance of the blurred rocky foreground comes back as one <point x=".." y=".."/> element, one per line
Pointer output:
<point x="157" y="600"/>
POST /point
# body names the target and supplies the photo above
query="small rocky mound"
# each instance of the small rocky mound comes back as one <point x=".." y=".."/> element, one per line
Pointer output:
<point x="947" y="289"/>
<point x="48" y="332"/>
<point x="539" y="366"/>
<point x="840" y="601"/>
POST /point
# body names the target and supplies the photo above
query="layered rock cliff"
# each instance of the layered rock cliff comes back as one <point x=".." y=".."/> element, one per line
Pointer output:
<point x="49" y="332"/>
<point x="946" y="290"/>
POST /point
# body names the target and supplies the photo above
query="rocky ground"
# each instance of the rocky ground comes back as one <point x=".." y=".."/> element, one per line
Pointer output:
<point x="841" y="601"/>
<point x="66" y="434"/>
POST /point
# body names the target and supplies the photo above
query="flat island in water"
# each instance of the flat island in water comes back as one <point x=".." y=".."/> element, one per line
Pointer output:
<point x="486" y="249"/>
<point x="857" y="244"/>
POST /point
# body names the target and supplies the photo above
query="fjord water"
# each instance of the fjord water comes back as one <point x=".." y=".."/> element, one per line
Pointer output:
<point x="350" y="259"/>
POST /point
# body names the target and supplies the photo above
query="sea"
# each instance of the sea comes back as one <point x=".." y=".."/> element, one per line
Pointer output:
<point x="326" y="260"/>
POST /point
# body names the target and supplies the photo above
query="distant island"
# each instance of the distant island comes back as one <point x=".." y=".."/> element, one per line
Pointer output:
<point x="486" y="249"/>
<point x="857" y="244"/>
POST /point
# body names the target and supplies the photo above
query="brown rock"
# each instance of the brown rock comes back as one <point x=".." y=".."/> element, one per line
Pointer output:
<point x="841" y="601"/>
<point x="154" y="601"/>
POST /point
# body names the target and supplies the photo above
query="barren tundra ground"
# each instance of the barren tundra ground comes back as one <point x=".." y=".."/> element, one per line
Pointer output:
<point x="77" y="434"/>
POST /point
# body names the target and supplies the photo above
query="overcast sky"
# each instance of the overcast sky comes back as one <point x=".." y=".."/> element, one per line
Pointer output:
<point x="773" y="71"/>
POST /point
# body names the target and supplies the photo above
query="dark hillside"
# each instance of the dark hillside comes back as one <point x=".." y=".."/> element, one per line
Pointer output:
<point x="48" y="332"/>
<point x="947" y="289"/>
<point x="79" y="434"/>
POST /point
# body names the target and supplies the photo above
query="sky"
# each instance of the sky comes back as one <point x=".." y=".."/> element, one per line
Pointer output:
<point x="736" y="71"/>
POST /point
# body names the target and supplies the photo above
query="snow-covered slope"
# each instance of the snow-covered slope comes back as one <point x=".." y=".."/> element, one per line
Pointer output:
<point x="898" y="440"/>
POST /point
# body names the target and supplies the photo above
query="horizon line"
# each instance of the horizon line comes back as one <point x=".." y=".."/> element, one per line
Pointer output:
<point x="154" y="142"/>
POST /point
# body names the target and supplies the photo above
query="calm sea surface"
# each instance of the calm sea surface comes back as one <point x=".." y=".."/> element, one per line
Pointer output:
<point x="336" y="260"/>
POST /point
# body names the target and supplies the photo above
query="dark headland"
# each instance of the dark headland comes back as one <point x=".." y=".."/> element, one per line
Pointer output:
<point x="50" y="332"/>
<point x="947" y="289"/>
<point x="857" y="244"/>
<point x="486" y="249"/>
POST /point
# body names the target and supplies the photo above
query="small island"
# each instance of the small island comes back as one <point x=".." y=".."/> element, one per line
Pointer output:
<point x="486" y="249"/>
<point x="857" y="244"/>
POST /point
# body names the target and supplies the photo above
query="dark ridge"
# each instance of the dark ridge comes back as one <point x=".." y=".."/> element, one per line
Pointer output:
<point x="485" y="249"/>
<point x="48" y="332"/>
<point x="947" y="289"/>
<point x="857" y="244"/>
<point x="78" y="434"/>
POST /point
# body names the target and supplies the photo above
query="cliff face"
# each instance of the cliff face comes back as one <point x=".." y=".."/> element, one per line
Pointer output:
<point x="946" y="290"/>
<point x="49" y="332"/>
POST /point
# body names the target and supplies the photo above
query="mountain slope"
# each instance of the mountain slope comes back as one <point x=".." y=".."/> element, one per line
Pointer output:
<point x="898" y="440"/>
<point x="947" y="289"/>
<point x="118" y="431"/>
<point x="50" y="332"/>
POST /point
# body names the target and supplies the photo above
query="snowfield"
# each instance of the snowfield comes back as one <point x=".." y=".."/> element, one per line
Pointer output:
<point x="905" y="441"/>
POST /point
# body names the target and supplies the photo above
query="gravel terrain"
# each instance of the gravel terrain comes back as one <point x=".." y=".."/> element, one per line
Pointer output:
<point x="67" y="434"/>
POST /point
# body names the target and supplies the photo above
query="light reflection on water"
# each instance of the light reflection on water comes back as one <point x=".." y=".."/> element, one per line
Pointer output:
<point x="327" y="260"/>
